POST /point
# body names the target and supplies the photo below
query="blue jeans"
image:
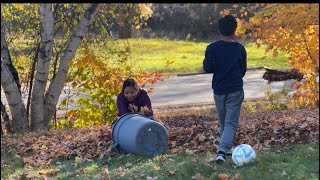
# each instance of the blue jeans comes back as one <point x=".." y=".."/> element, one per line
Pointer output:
<point x="228" y="107"/>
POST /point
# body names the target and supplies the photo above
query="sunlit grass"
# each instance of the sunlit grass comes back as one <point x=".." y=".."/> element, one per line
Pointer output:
<point x="300" y="161"/>
<point x="187" y="57"/>
<point x="153" y="54"/>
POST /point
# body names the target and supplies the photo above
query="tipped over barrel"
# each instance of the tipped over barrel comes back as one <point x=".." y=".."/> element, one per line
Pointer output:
<point x="136" y="134"/>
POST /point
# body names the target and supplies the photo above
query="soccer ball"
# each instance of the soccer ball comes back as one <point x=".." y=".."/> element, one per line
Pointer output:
<point x="243" y="154"/>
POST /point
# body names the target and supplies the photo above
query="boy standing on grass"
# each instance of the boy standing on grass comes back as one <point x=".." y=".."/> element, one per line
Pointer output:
<point x="226" y="59"/>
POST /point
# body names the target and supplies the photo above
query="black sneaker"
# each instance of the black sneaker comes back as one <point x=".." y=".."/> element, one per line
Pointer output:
<point x="221" y="157"/>
<point x="229" y="153"/>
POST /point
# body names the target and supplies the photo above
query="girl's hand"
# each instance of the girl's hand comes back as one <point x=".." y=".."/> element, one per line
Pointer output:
<point x="133" y="108"/>
<point x="144" y="111"/>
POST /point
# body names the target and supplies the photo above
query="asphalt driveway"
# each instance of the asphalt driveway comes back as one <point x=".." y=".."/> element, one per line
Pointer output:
<point x="196" y="89"/>
<point x="190" y="90"/>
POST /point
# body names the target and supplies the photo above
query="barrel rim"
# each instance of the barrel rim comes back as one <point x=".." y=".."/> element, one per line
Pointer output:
<point x="115" y="123"/>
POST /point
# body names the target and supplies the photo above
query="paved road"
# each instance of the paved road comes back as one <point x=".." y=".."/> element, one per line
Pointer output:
<point x="196" y="89"/>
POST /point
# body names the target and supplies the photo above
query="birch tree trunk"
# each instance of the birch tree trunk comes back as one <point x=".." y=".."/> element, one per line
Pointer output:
<point x="59" y="79"/>
<point x="6" y="119"/>
<point x="6" y="55"/>
<point x="41" y="78"/>
<point x="11" y="89"/>
<point x="20" y="121"/>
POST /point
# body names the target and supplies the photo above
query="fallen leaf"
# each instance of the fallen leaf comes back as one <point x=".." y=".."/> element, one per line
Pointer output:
<point x="284" y="173"/>
<point x="128" y="165"/>
<point x="151" y="178"/>
<point x="78" y="160"/>
<point x="223" y="177"/>
<point x="213" y="167"/>
<point x="31" y="176"/>
<point x="194" y="160"/>
<point x="198" y="176"/>
<point x="106" y="170"/>
<point x="189" y="151"/>
<point x="212" y="159"/>
<point x="201" y="138"/>
<point x="237" y="176"/>
<point x="170" y="172"/>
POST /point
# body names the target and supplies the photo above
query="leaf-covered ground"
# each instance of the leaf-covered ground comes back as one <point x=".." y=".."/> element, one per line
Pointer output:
<point x="189" y="131"/>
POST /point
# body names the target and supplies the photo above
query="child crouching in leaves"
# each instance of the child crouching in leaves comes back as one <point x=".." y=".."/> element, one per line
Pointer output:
<point x="134" y="99"/>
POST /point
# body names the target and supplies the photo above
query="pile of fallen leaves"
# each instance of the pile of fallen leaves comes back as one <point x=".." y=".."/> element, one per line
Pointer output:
<point x="190" y="133"/>
<point x="261" y="129"/>
<point x="87" y="144"/>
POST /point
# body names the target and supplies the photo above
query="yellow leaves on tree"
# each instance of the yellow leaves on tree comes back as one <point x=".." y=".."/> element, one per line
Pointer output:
<point x="145" y="9"/>
<point x="293" y="28"/>
<point x="101" y="79"/>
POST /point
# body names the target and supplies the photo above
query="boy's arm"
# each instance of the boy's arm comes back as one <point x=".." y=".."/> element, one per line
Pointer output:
<point x="208" y="61"/>
<point x="244" y="63"/>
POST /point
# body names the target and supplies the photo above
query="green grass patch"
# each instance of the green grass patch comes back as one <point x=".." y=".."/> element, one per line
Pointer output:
<point x="153" y="54"/>
<point x="300" y="161"/>
<point x="187" y="57"/>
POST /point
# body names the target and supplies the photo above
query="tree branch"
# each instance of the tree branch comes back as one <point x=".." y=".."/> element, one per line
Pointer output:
<point x="308" y="51"/>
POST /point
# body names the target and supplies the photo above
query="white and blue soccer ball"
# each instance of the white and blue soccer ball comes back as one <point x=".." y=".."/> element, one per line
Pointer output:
<point x="243" y="154"/>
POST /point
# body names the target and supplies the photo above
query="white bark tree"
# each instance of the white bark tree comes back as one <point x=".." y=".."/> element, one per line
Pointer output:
<point x="19" y="114"/>
<point x="56" y="85"/>
<point x="43" y="103"/>
<point x="44" y="57"/>
<point x="12" y="92"/>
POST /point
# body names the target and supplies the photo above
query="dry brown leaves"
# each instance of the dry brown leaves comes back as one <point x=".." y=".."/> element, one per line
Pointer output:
<point x="198" y="133"/>
<point x="187" y="133"/>
<point x="86" y="143"/>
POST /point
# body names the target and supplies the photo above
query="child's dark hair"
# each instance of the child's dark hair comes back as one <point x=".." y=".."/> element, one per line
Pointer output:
<point x="130" y="82"/>
<point x="227" y="25"/>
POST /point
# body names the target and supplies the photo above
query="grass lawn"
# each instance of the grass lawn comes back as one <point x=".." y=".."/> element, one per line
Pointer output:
<point x="300" y="161"/>
<point x="187" y="57"/>
<point x="153" y="55"/>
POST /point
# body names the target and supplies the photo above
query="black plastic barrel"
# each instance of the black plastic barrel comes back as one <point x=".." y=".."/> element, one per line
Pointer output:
<point x="136" y="134"/>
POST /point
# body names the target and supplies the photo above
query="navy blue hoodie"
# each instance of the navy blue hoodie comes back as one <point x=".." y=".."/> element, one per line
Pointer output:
<point x="228" y="63"/>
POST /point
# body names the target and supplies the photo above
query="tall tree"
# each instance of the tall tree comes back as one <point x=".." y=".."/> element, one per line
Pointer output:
<point x="43" y="102"/>
<point x="56" y="85"/>
<point x="11" y="86"/>
<point x="37" y="101"/>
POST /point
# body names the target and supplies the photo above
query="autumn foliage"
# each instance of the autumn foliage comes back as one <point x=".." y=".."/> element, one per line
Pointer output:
<point x="293" y="28"/>
<point x="99" y="81"/>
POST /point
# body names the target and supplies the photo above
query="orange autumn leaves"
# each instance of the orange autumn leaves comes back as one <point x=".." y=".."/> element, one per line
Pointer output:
<point x="293" y="28"/>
